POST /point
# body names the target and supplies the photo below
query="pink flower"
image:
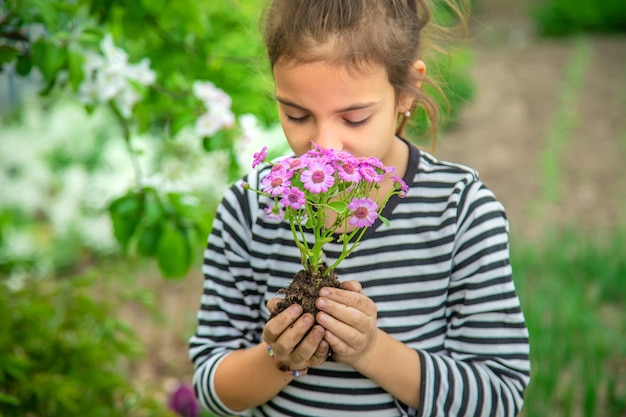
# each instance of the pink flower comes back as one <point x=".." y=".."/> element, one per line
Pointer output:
<point x="293" y="198"/>
<point x="363" y="212"/>
<point x="400" y="184"/>
<point x="292" y="164"/>
<point x="259" y="156"/>
<point x="275" y="212"/>
<point x="318" y="178"/>
<point x="376" y="163"/>
<point x="370" y="173"/>
<point x="348" y="171"/>
<point x="276" y="182"/>
<point x="183" y="401"/>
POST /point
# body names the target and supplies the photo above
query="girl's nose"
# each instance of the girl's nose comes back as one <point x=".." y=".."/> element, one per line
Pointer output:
<point x="327" y="138"/>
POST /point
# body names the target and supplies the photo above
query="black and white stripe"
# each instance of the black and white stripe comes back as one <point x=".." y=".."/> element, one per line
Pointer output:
<point x="441" y="280"/>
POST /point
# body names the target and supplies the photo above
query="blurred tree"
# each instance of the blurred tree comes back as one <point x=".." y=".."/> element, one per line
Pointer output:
<point x="89" y="46"/>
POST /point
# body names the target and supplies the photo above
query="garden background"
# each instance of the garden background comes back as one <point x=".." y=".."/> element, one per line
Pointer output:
<point x="538" y="93"/>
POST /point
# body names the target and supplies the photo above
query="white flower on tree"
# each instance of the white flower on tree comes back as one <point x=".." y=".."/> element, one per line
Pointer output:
<point x="218" y="115"/>
<point x="249" y="127"/>
<point x="111" y="78"/>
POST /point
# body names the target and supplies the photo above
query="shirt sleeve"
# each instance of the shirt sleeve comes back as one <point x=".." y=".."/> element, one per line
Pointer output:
<point x="229" y="315"/>
<point x="485" y="367"/>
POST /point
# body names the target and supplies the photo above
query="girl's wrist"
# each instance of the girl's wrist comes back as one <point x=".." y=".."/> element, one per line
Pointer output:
<point x="295" y="373"/>
<point x="371" y="357"/>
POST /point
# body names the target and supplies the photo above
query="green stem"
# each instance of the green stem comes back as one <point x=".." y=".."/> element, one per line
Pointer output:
<point x="345" y="253"/>
<point x="127" y="140"/>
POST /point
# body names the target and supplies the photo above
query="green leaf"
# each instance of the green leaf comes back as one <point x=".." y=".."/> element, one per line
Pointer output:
<point x="173" y="254"/>
<point x="310" y="223"/>
<point x="9" y="399"/>
<point x="126" y="213"/>
<point x="338" y="206"/>
<point x="186" y="206"/>
<point x="148" y="242"/>
<point x="75" y="65"/>
<point x="47" y="11"/>
<point x="180" y="121"/>
<point x="384" y="220"/>
<point x="7" y="54"/>
<point x="23" y="65"/>
<point x="193" y="242"/>
<point x="154" y="211"/>
<point x="48" y="58"/>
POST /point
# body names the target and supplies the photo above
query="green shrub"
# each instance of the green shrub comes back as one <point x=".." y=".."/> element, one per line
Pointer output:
<point x="63" y="354"/>
<point x="565" y="17"/>
<point x="573" y="290"/>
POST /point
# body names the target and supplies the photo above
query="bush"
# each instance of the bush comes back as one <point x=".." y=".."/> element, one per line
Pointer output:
<point x="566" y="17"/>
<point x="63" y="354"/>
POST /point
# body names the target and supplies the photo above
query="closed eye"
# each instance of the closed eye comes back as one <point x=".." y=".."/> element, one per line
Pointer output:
<point x="357" y="123"/>
<point x="302" y="119"/>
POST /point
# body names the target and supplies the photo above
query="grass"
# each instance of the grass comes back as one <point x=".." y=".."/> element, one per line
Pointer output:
<point x="573" y="291"/>
<point x="564" y="121"/>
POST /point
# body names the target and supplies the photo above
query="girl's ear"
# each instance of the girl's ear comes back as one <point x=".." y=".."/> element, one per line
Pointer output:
<point x="407" y="101"/>
<point x="420" y="67"/>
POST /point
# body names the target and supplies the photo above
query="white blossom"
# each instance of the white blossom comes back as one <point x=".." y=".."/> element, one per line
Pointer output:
<point x="142" y="73"/>
<point x="208" y="93"/>
<point x="249" y="127"/>
<point x="109" y="77"/>
<point x="114" y="56"/>
<point x="214" y="120"/>
<point x="218" y="115"/>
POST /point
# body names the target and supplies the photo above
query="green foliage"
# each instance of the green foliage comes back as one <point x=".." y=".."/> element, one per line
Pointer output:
<point x="170" y="227"/>
<point x="63" y="354"/>
<point x="184" y="40"/>
<point x="455" y="88"/>
<point x="573" y="292"/>
<point x="566" y="17"/>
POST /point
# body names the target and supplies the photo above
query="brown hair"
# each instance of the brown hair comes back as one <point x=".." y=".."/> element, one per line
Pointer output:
<point x="386" y="32"/>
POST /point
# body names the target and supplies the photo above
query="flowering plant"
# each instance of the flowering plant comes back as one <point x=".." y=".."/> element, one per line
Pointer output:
<point x="325" y="191"/>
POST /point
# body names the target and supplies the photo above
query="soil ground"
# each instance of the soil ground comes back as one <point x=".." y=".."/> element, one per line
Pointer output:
<point x="522" y="104"/>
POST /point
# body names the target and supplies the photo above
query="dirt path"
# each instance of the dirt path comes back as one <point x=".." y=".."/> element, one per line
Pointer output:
<point x="529" y="126"/>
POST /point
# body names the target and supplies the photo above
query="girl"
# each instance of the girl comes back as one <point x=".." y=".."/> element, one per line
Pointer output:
<point x="427" y="321"/>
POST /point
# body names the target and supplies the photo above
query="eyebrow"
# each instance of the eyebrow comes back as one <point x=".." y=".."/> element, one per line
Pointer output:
<point x="352" y="107"/>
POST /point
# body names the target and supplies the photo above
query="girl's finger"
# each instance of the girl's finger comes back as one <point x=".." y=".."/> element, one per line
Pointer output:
<point x="277" y="326"/>
<point x="307" y="348"/>
<point x="354" y="286"/>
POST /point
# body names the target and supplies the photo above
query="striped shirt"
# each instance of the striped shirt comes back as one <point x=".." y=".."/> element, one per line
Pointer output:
<point x="439" y="275"/>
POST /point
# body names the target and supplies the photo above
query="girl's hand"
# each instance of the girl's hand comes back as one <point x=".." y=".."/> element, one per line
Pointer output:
<point x="349" y="318"/>
<point x="296" y="342"/>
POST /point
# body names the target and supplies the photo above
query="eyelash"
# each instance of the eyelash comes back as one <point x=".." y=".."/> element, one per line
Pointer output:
<point x="300" y="120"/>
<point x="359" y="123"/>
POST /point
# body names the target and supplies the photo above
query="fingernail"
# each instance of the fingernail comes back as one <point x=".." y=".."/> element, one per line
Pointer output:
<point x="321" y="303"/>
<point x="308" y="319"/>
<point x="324" y="292"/>
<point x="322" y="318"/>
<point x="296" y="309"/>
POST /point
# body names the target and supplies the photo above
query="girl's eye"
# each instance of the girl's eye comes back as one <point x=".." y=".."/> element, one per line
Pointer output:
<point x="297" y="119"/>
<point x="358" y="123"/>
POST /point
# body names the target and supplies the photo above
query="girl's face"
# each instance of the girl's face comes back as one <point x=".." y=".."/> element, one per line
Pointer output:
<point x="353" y="111"/>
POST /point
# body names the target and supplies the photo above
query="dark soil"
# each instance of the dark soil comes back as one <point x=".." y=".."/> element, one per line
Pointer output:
<point x="304" y="288"/>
